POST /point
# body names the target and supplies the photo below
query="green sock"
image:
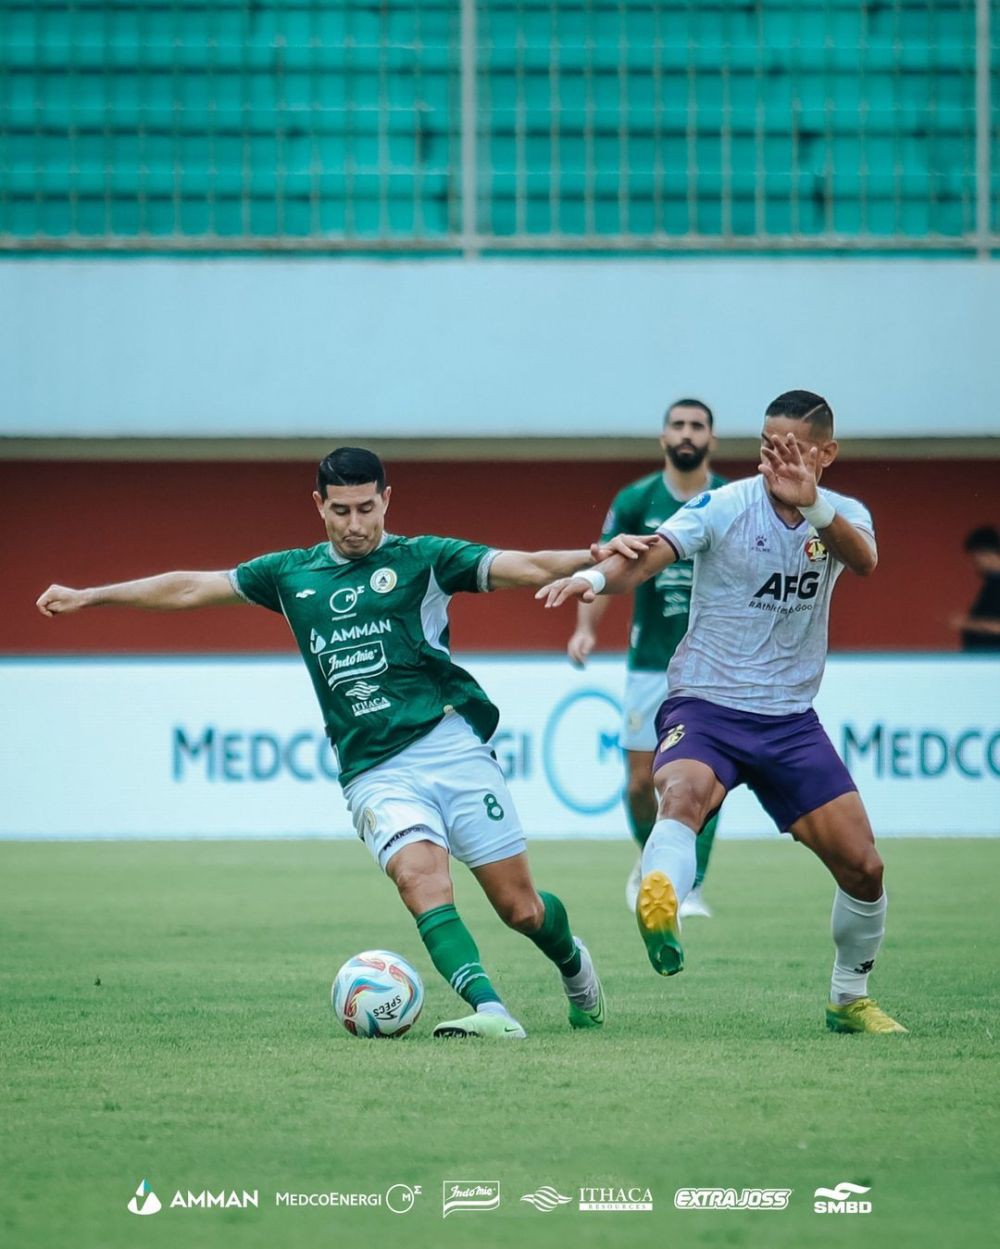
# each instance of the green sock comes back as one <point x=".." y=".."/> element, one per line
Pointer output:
<point x="640" y="829"/>
<point x="554" y="938"/>
<point x="453" y="952"/>
<point x="703" y="848"/>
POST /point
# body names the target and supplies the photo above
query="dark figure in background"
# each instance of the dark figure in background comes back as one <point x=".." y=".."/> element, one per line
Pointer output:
<point x="980" y="629"/>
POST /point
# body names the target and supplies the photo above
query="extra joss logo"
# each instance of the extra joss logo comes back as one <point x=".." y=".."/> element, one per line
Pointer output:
<point x="732" y="1198"/>
<point x="469" y="1195"/>
<point x="842" y="1199"/>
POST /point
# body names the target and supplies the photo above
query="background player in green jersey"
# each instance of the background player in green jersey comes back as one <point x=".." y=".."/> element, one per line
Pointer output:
<point x="369" y="611"/>
<point x="659" y="620"/>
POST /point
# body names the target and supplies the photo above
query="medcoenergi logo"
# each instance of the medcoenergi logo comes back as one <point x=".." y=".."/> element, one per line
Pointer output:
<point x="842" y="1199"/>
<point x="732" y="1198"/>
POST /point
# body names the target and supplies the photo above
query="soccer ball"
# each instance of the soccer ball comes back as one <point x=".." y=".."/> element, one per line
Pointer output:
<point x="377" y="994"/>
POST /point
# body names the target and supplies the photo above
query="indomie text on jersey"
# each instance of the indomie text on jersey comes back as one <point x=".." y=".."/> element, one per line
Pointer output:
<point x="346" y="663"/>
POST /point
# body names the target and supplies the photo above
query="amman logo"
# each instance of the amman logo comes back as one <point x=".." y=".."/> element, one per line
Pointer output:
<point x="673" y="737"/>
<point x="383" y="580"/>
<point x="150" y="1201"/>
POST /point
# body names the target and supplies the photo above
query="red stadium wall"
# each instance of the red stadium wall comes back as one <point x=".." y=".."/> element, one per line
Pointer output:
<point x="88" y="523"/>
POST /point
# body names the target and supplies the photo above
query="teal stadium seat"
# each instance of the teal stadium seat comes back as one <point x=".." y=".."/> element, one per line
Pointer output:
<point x="293" y="119"/>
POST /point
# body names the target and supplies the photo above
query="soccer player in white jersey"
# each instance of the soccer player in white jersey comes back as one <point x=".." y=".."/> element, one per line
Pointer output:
<point x="369" y="611"/>
<point x="767" y="551"/>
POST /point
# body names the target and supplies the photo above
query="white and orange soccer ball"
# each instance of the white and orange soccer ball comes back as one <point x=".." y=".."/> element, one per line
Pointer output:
<point x="377" y="994"/>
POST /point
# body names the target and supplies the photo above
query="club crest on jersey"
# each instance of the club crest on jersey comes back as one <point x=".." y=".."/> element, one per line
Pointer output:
<point x="816" y="551"/>
<point x="383" y="580"/>
<point x="700" y="501"/>
<point x="369" y="819"/>
<point x="672" y="738"/>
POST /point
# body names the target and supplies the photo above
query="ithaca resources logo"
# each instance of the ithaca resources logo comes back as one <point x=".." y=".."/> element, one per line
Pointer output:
<point x="546" y="1199"/>
<point x="842" y="1199"/>
<point x="469" y="1195"/>
<point x="732" y="1199"/>
<point x="614" y="1198"/>
<point x="145" y="1195"/>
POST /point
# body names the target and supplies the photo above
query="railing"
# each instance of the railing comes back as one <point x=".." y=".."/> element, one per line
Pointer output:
<point x="467" y="126"/>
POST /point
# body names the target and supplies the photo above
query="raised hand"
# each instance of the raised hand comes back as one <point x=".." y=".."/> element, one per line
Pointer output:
<point x="791" y="477"/>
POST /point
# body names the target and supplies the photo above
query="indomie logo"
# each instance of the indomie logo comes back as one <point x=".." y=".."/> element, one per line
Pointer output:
<point x="781" y="587"/>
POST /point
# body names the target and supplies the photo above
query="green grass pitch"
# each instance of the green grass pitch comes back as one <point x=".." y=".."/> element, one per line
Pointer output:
<point x="165" y="1016"/>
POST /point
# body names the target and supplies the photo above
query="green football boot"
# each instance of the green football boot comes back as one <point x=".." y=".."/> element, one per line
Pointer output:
<point x="656" y="913"/>
<point x="482" y="1024"/>
<point x="862" y="1015"/>
<point x="592" y="992"/>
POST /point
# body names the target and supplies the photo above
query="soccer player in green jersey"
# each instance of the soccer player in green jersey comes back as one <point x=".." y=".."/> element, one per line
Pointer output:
<point x="369" y="611"/>
<point x="659" y="621"/>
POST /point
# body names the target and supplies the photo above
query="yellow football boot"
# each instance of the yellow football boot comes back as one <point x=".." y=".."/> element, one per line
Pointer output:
<point x="862" y="1015"/>
<point x="656" y="914"/>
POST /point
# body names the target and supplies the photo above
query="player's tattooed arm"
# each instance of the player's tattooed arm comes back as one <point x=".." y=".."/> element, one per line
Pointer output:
<point x="510" y="569"/>
<point x="170" y="591"/>
<point x="619" y="573"/>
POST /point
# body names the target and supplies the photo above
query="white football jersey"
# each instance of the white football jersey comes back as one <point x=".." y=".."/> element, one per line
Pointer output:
<point x="757" y="633"/>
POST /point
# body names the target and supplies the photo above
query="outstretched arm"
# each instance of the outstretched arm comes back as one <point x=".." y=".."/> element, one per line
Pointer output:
<point x="171" y="591"/>
<point x="536" y="568"/>
<point x="619" y="574"/>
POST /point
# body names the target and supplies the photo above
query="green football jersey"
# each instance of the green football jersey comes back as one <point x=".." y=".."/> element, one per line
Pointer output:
<point x="661" y="606"/>
<point x="374" y="635"/>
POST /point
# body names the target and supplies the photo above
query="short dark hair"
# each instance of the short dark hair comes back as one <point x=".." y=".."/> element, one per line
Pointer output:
<point x="985" y="538"/>
<point x="350" y="466"/>
<point x="690" y="403"/>
<point x="804" y="405"/>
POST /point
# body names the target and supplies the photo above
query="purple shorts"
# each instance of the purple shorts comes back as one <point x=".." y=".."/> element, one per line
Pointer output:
<point x="788" y="761"/>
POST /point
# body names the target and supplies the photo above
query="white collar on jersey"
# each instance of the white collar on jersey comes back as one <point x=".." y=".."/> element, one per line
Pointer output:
<point x="342" y="559"/>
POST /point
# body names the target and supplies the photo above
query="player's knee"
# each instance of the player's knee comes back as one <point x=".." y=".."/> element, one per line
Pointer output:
<point x="681" y="800"/>
<point x="864" y="876"/>
<point x="421" y="888"/>
<point x="523" y="912"/>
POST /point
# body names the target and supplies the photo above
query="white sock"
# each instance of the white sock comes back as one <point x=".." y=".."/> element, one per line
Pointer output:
<point x="582" y="988"/>
<point x="671" y="850"/>
<point x="858" y="928"/>
<point x="492" y="1008"/>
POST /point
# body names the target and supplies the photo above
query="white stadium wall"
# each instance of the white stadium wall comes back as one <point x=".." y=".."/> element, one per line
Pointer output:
<point x="233" y="747"/>
<point x="277" y="348"/>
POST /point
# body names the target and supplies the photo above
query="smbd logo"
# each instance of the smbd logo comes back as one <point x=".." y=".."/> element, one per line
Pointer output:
<point x="781" y="587"/>
<point x="839" y="1200"/>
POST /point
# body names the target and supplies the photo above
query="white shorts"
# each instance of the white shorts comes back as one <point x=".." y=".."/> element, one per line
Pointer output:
<point x="446" y="788"/>
<point x="644" y="694"/>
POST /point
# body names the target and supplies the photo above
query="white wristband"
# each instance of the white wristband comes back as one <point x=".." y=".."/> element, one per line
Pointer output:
<point x="594" y="577"/>
<point x="819" y="514"/>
